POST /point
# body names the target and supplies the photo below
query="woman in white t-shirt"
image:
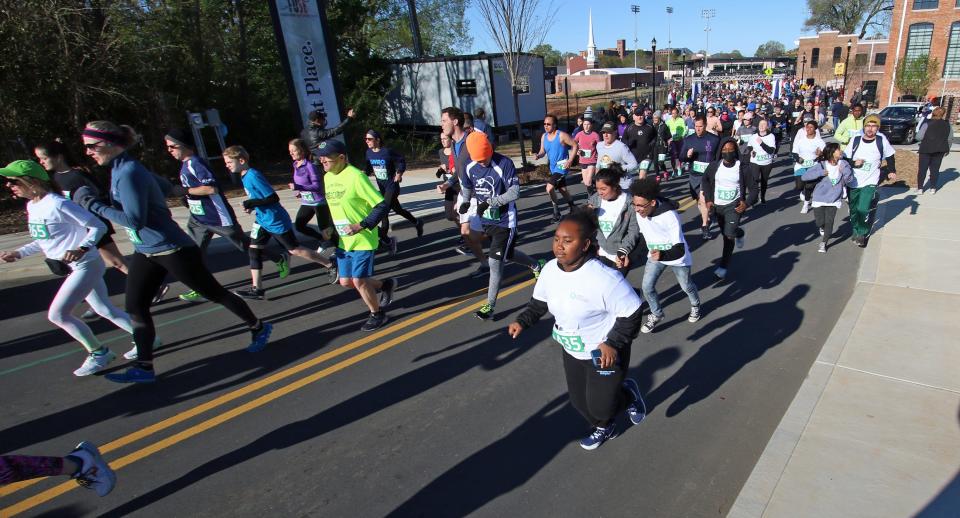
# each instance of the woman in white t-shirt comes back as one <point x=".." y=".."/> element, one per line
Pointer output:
<point x="729" y="187"/>
<point x="597" y="316"/>
<point x="763" y="149"/>
<point x="618" y="232"/>
<point x="807" y="146"/>
<point x="829" y="175"/>
<point x="67" y="234"/>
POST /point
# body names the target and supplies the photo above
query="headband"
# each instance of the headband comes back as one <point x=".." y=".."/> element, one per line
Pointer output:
<point x="103" y="135"/>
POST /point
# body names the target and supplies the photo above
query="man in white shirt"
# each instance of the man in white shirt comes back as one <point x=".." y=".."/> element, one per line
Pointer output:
<point x="869" y="155"/>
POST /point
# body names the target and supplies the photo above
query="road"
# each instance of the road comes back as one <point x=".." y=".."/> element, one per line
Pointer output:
<point x="437" y="414"/>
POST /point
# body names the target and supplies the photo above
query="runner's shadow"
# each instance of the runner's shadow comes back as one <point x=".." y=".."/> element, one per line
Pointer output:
<point x="748" y="335"/>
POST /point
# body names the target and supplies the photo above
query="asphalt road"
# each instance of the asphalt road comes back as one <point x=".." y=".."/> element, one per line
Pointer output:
<point x="438" y="414"/>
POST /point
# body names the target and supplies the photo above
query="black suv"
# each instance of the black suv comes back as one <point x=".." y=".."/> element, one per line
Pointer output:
<point x="899" y="122"/>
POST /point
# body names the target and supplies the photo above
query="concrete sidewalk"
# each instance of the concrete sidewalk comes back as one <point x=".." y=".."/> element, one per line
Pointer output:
<point x="874" y="429"/>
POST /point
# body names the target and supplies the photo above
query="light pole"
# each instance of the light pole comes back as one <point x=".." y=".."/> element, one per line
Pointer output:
<point x="635" y="9"/>
<point x="803" y="67"/>
<point x="669" y="41"/>
<point x="846" y="63"/>
<point x="653" y="50"/>
<point x="706" y="14"/>
<point x="683" y="73"/>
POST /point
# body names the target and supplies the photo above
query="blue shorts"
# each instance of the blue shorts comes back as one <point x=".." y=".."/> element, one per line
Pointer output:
<point x="357" y="264"/>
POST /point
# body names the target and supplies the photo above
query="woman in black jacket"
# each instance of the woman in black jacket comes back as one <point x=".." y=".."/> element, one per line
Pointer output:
<point x="729" y="187"/>
<point x="934" y="145"/>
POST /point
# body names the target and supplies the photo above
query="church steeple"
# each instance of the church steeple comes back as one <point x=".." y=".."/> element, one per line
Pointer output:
<point x="591" y="45"/>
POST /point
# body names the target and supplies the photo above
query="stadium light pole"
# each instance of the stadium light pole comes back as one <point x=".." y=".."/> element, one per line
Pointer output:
<point x="635" y="9"/>
<point x="706" y="14"/>
<point x="669" y="41"/>
<point x="653" y="50"/>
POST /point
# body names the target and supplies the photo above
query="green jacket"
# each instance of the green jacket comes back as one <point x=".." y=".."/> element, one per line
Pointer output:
<point x="848" y="125"/>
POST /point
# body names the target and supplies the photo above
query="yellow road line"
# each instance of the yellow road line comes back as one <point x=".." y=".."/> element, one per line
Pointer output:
<point x="687" y="204"/>
<point x="162" y="444"/>
<point x="257" y="385"/>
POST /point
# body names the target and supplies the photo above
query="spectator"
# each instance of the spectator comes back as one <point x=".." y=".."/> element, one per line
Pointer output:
<point x="934" y="145"/>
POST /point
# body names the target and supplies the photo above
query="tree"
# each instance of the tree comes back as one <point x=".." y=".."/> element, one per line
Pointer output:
<point x="515" y="26"/>
<point x="770" y="49"/>
<point x="849" y="16"/>
<point x="723" y="55"/>
<point x="915" y="75"/>
<point x="551" y="56"/>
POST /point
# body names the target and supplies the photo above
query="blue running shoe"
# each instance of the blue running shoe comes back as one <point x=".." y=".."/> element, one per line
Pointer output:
<point x="260" y="338"/>
<point x="132" y="375"/>
<point x="598" y="437"/>
<point x="637" y="409"/>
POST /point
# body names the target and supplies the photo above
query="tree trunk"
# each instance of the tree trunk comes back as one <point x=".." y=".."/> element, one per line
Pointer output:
<point x="516" y="115"/>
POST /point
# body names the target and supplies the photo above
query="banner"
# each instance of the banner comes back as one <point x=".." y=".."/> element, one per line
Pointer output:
<point x="300" y="27"/>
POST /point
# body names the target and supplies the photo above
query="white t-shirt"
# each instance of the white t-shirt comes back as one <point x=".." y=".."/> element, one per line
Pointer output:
<point x="807" y="149"/>
<point x="869" y="152"/>
<point x="726" y="186"/>
<point x="762" y="157"/>
<point x="607" y="214"/>
<point x="585" y="303"/>
<point x="833" y="173"/>
<point x="662" y="232"/>
<point x="619" y="153"/>
<point x="57" y="225"/>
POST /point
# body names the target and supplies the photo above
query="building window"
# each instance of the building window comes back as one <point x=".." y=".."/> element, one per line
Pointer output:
<point x="925" y="4"/>
<point x="860" y="60"/>
<point x="814" y="58"/>
<point x="951" y="66"/>
<point x="837" y="54"/>
<point x="880" y="58"/>
<point x="918" y="40"/>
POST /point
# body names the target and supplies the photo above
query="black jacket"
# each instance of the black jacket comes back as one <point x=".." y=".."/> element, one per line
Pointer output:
<point x="936" y="139"/>
<point x="314" y="135"/>
<point x="749" y="176"/>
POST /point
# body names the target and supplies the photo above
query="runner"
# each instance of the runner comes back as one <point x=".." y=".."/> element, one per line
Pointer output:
<point x="618" y="234"/>
<point x="659" y="151"/>
<point x="806" y="148"/>
<point x="138" y="204"/>
<point x="659" y="223"/>
<point x="451" y="124"/>
<point x="84" y="464"/>
<point x="446" y="172"/>
<point x="779" y="122"/>
<point x="388" y="166"/>
<point x="744" y="135"/>
<point x="871" y="155"/>
<point x="762" y="147"/>
<point x="729" y="187"/>
<point x="697" y="152"/>
<point x="831" y="175"/>
<point x="639" y="139"/>
<point x="492" y="180"/>
<point x="612" y="151"/>
<point x="67" y="235"/>
<point x="357" y="209"/>
<point x="587" y="154"/>
<point x="272" y="221"/>
<point x="678" y="130"/>
<point x="851" y="126"/>
<point x="308" y="183"/>
<point x="560" y="150"/>
<point x="597" y="316"/>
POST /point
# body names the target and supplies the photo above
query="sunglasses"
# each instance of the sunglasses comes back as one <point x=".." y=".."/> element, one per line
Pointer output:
<point x="369" y="139"/>
<point x="172" y="146"/>
<point x="93" y="146"/>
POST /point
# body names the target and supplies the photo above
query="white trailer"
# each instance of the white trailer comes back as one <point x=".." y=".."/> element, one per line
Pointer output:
<point x="423" y="87"/>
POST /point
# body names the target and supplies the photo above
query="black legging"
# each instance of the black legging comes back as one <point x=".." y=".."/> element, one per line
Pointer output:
<point x="824" y="217"/>
<point x="598" y="398"/>
<point x="764" y="177"/>
<point x="147" y="274"/>
<point x="393" y="194"/>
<point x="929" y="161"/>
<point x="729" y="221"/>
<point x="306" y="213"/>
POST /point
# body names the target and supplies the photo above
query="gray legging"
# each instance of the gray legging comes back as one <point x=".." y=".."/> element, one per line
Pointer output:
<point x="824" y="217"/>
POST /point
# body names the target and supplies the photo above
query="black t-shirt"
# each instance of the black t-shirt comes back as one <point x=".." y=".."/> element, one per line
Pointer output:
<point x="639" y="139"/>
<point x="70" y="181"/>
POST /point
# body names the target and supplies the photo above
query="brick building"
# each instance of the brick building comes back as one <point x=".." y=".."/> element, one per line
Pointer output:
<point x="817" y="57"/>
<point x="925" y="27"/>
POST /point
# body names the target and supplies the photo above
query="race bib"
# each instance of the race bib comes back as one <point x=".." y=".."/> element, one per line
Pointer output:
<point x="342" y="226"/>
<point x="380" y="172"/>
<point x="39" y="230"/>
<point x="255" y="231"/>
<point x="796" y="114"/>
<point x="606" y="226"/>
<point x="662" y="157"/>
<point x="570" y="341"/>
<point x="762" y="157"/>
<point x="807" y="163"/>
<point x="744" y="139"/>
<point x="586" y="153"/>
<point x="196" y="207"/>
<point x="659" y="246"/>
<point x="133" y="235"/>
<point x="726" y="194"/>
<point x="645" y="164"/>
<point x="700" y="167"/>
<point x="307" y="197"/>
<point x="690" y="132"/>
<point x="866" y="167"/>
<point x="492" y="213"/>
<point x="561" y="165"/>
<point x="66" y="194"/>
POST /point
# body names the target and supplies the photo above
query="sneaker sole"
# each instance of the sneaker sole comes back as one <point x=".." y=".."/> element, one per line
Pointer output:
<point x="94" y="452"/>
<point x="366" y="329"/>
<point x="115" y="380"/>
<point x="113" y="356"/>
<point x="254" y="347"/>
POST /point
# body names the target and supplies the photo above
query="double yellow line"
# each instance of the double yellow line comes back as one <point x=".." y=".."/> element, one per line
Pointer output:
<point x="221" y="418"/>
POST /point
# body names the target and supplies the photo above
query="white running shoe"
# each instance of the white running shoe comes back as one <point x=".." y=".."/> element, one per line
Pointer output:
<point x="720" y="272"/>
<point x="805" y="208"/>
<point x="132" y="353"/>
<point x="740" y="242"/>
<point x="95" y="362"/>
<point x="94" y="472"/>
<point x="822" y="248"/>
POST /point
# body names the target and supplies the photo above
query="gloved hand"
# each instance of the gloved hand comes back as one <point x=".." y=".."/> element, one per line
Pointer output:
<point x="440" y="172"/>
<point x="482" y="207"/>
<point x="248" y="204"/>
<point x="84" y="197"/>
<point x="464" y="207"/>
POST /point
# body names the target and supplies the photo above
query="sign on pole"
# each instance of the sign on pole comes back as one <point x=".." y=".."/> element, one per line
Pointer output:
<point x="308" y="59"/>
<point x="768" y="72"/>
<point x="838" y="69"/>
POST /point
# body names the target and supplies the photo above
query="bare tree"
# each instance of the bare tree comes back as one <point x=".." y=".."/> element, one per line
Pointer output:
<point x="516" y="26"/>
<point x="847" y="16"/>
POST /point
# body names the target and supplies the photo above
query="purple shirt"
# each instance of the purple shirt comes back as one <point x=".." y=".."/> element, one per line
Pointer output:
<point x="309" y="183"/>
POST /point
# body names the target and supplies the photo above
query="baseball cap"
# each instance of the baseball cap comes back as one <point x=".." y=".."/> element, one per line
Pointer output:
<point x="373" y="134"/>
<point x="331" y="147"/>
<point x="871" y="119"/>
<point x="24" y="168"/>
<point x="608" y="127"/>
<point x="180" y="137"/>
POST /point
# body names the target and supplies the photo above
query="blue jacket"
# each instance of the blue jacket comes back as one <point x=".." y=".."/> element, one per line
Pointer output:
<point x="826" y="191"/>
<point x="138" y="204"/>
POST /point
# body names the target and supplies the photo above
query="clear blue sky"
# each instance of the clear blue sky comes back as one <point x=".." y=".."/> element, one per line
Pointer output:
<point x="737" y="25"/>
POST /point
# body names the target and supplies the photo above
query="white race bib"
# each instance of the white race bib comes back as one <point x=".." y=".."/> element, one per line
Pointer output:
<point x="342" y="226"/>
<point x="380" y="172"/>
<point x="307" y="197"/>
<point x="255" y="231"/>
<point x="645" y="165"/>
<point x="133" y="235"/>
<point x="570" y="341"/>
<point x="700" y="167"/>
<point x="196" y="207"/>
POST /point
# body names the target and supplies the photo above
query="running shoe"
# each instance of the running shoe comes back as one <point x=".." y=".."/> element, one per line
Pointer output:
<point x="89" y="316"/>
<point x="637" y="409"/>
<point x="720" y="272"/>
<point x="705" y="233"/>
<point x="133" y="375"/>
<point x="462" y="249"/>
<point x="260" y="338"/>
<point x="161" y="293"/>
<point x="251" y="293"/>
<point x="556" y="218"/>
<point x="481" y="271"/>
<point x="419" y="228"/>
<point x="94" y="473"/>
<point x="192" y="296"/>
<point x="822" y="248"/>
<point x="393" y="245"/>
<point x="599" y="436"/>
<point x="375" y="321"/>
<point x="917" y="192"/>
<point x="485" y="312"/>
<point x="862" y="241"/>
<point x="805" y="208"/>
<point x="132" y="353"/>
<point x="694" y="314"/>
<point x="95" y="362"/>
<point x="932" y="190"/>
<point x="283" y="265"/>
<point x="740" y="241"/>
<point x="333" y="273"/>
<point x="821" y="231"/>
<point x="386" y="292"/>
<point x="538" y="268"/>
<point x="650" y="323"/>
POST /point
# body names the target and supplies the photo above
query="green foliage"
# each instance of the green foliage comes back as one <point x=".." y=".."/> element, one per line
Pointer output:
<point x="732" y="54"/>
<point x="849" y="16"/>
<point x="770" y="49"/>
<point x="551" y="56"/>
<point x="915" y="75"/>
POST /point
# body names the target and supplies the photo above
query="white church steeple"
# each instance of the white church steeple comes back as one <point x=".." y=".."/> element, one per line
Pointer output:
<point x="591" y="45"/>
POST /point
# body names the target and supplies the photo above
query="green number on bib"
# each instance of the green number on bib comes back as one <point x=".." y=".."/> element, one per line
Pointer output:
<point x="659" y="246"/>
<point x="196" y="207"/>
<point x="726" y="194"/>
<point x="570" y="341"/>
<point x="606" y="226"/>
<point x="492" y="213"/>
<point x="700" y="167"/>
<point x="133" y="235"/>
<point x="807" y="163"/>
<point x="307" y="197"/>
<point x="645" y="164"/>
<point x="39" y="230"/>
<point x="255" y="231"/>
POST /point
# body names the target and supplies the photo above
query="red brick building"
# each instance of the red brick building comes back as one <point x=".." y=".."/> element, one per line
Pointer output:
<point x="925" y="27"/>
<point x="818" y="57"/>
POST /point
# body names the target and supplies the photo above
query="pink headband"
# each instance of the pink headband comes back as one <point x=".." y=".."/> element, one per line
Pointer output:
<point x="103" y="135"/>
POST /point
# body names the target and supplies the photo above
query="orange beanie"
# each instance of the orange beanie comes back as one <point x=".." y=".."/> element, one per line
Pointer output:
<point x="478" y="146"/>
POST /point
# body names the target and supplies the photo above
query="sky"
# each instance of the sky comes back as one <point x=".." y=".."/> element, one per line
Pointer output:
<point x="735" y="25"/>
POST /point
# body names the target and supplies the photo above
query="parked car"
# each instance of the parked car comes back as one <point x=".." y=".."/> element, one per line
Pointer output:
<point x="900" y="121"/>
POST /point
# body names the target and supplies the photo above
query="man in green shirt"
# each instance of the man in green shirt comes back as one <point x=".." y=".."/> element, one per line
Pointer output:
<point x="678" y="130"/>
<point x="356" y="208"/>
<point x="850" y="127"/>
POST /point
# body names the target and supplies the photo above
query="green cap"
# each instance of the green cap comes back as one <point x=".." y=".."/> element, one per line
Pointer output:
<point x="24" y="168"/>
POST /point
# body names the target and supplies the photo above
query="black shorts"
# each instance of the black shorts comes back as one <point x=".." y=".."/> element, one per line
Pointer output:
<point x="695" y="185"/>
<point x="558" y="180"/>
<point x="451" y="193"/>
<point x="502" y="241"/>
<point x="288" y="240"/>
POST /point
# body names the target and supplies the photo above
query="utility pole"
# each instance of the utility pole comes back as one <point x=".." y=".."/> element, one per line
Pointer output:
<point x="669" y="43"/>
<point x="846" y="65"/>
<point x="653" y="49"/>
<point x="706" y="14"/>
<point x="415" y="28"/>
<point x="635" y="9"/>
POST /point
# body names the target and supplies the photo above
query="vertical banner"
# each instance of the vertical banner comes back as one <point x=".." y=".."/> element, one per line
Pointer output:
<point x="777" y="88"/>
<point x="308" y="59"/>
